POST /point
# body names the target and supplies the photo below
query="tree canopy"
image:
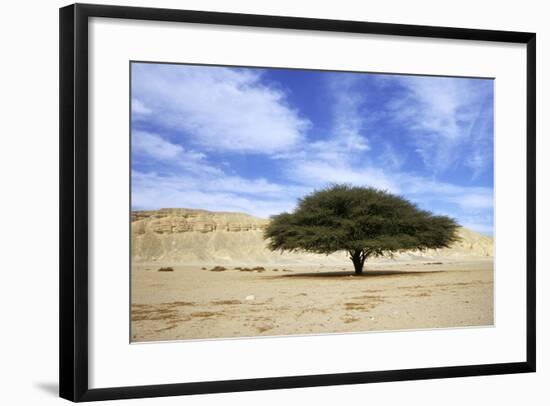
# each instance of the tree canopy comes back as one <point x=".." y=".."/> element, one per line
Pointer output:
<point x="363" y="221"/>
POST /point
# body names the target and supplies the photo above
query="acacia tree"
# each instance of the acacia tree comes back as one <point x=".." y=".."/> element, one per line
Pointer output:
<point x="363" y="221"/>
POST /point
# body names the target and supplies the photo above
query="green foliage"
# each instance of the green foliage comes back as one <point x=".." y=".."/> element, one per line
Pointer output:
<point x="365" y="222"/>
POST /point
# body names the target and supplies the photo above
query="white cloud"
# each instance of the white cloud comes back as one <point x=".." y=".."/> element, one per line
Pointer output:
<point x="188" y="179"/>
<point x="467" y="197"/>
<point x="154" y="146"/>
<point x="348" y="118"/>
<point x="339" y="157"/>
<point x="390" y="159"/>
<point x="257" y="197"/>
<point x="220" y="109"/>
<point x="151" y="147"/>
<point x="461" y="202"/>
<point x="318" y="174"/>
<point x="138" y="108"/>
<point x="474" y="200"/>
<point x="446" y="115"/>
<point x="260" y="197"/>
<point x="435" y="104"/>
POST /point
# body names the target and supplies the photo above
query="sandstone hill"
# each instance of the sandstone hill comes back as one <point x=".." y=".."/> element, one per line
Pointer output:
<point x="189" y="236"/>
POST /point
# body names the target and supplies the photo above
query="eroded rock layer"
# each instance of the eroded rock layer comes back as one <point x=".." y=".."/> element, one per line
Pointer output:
<point x="190" y="236"/>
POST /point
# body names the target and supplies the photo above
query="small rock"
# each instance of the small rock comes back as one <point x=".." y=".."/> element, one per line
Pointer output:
<point x="250" y="297"/>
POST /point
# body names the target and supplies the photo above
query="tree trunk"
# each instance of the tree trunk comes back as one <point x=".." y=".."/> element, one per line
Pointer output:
<point x="358" y="260"/>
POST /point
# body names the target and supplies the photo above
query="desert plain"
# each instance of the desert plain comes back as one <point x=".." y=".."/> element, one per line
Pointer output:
<point x="206" y="275"/>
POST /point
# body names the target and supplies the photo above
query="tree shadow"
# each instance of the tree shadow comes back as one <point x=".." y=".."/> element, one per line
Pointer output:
<point x="347" y="274"/>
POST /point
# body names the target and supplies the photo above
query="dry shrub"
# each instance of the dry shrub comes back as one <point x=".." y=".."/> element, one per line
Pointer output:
<point x="226" y="302"/>
<point x="218" y="269"/>
<point x="255" y="269"/>
<point x="354" y="306"/>
<point x="166" y="269"/>
<point x="203" y="314"/>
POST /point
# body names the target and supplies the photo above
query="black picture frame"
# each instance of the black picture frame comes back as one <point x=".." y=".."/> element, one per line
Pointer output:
<point x="73" y="282"/>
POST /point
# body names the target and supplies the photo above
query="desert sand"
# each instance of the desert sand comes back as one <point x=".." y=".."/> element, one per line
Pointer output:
<point x="211" y="289"/>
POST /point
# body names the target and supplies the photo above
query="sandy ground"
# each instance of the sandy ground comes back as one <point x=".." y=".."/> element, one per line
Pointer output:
<point x="195" y="303"/>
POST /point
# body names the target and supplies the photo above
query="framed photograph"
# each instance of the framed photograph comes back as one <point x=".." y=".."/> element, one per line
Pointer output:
<point x="258" y="202"/>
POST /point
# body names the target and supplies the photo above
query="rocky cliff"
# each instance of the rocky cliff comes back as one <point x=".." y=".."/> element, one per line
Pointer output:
<point x="189" y="236"/>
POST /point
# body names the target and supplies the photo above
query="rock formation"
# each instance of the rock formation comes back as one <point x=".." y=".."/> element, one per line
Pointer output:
<point x="189" y="236"/>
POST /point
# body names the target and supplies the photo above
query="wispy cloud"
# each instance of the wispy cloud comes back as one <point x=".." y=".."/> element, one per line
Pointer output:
<point x="139" y="109"/>
<point x="151" y="148"/>
<point x="389" y="158"/>
<point x="188" y="179"/>
<point x="349" y="120"/>
<point x="449" y="119"/>
<point x="218" y="108"/>
<point x="152" y="145"/>
<point x="428" y="193"/>
<point x="151" y="190"/>
<point x="318" y="174"/>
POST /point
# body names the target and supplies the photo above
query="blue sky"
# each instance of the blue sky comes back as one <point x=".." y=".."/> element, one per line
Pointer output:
<point x="255" y="140"/>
